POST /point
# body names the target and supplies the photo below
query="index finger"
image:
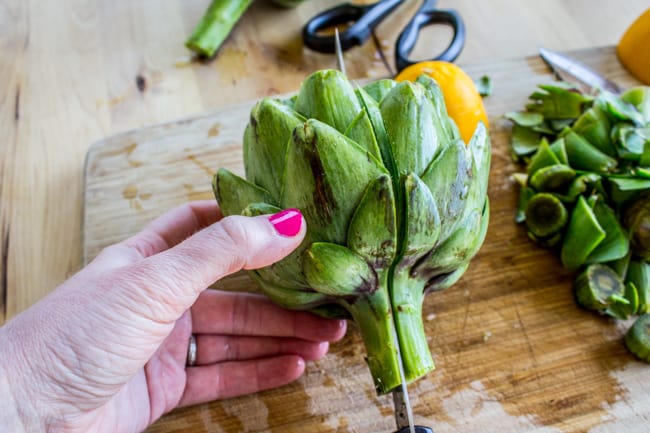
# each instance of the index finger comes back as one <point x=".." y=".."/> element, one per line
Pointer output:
<point x="230" y="313"/>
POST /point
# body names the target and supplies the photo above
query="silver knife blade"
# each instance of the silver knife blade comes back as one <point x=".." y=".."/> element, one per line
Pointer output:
<point x="577" y="73"/>
<point x="401" y="402"/>
<point x="339" y="52"/>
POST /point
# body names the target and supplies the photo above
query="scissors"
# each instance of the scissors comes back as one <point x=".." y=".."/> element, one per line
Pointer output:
<point x="362" y="20"/>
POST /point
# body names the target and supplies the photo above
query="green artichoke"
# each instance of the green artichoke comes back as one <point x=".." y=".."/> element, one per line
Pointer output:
<point x="395" y="203"/>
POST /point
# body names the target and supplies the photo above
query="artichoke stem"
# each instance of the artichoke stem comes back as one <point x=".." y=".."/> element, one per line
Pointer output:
<point x="407" y="295"/>
<point x="215" y="26"/>
<point x="373" y="316"/>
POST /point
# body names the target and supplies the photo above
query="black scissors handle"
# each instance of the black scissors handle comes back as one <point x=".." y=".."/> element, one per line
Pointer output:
<point x="363" y="18"/>
<point x="428" y="14"/>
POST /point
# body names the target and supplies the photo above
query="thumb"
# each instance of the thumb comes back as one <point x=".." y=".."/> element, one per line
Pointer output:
<point x="168" y="283"/>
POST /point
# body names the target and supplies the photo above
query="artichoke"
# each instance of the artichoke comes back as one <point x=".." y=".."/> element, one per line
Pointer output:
<point x="395" y="203"/>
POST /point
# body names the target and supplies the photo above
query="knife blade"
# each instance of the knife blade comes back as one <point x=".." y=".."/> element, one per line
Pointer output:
<point x="572" y="71"/>
<point x="401" y="401"/>
<point x="339" y="52"/>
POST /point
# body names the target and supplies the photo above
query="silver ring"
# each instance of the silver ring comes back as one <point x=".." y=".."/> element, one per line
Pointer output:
<point x="192" y="349"/>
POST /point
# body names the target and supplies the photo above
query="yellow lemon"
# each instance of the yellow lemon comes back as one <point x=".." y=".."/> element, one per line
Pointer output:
<point x="464" y="103"/>
<point x="634" y="48"/>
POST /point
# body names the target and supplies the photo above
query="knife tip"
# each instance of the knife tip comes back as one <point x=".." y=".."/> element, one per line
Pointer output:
<point x="544" y="51"/>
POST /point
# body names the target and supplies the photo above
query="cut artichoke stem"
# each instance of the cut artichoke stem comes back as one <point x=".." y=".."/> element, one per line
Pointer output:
<point x="637" y="338"/>
<point x="545" y="215"/>
<point x="553" y="178"/>
<point x="598" y="287"/>
<point x="215" y="25"/>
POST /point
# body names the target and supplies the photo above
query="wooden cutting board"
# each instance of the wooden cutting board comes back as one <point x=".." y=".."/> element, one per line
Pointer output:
<point x="513" y="351"/>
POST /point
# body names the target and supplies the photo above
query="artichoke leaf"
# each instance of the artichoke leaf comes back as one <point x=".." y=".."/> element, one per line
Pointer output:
<point x="544" y="157"/>
<point x="582" y="236"/>
<point x="445" y="281"/>
<point x="421" y="220"/>
<point x="615" y="244"/>
<point x="331" y="311"/>
<point x="639" y="274"/>
<point x="639" y="97"/>
<point x="325" y="177"/>
<point x="594" y="126"/>
<point x="234" y="193"/>
<point x="441" y="119"/>
<point x="337" y="271"/>
<point x="256" y="209"/>
<point x="480" y="156"/>
<point x="328" y="96"/>
<point x="379" y="89"/>
<point x="447" y="177"/>
<point x="288" y="297"/>
<point x="524" y="141"/>
<point x="558" y="147"/>
<point x="479" y="147"/>
<point x="636" y="218"/>
<point x="372" y="232"/>
<point x="362" y="132"/>
<point x="458" y="249"/>
<point x="619" y="109"/>
<point x="558" y="101"/>
<point x="265" y="143"/>
<point x="584" y="156"/>
<point x="287" y="272"/>
<point x="374" y="114"/>
<point x="408" y="117"/>
<point x="525" y="118"/>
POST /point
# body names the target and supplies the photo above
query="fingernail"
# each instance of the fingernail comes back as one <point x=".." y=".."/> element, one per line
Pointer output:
<point x="288" y="222"/>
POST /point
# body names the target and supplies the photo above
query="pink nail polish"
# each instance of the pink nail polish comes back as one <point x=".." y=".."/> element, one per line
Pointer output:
<point x="288" y="222"/>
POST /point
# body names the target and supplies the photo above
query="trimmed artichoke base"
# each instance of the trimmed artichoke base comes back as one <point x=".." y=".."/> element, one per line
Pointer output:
<point x="395" y="203"/>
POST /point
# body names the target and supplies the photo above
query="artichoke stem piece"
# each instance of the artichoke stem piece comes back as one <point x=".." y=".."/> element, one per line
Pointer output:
<point x="407" y="295"/>
<point x="373" y="316"/>
<point x="215" y="26"/>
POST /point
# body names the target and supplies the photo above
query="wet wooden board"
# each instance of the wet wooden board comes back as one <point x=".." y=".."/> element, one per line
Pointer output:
<point x="513" y="351"/>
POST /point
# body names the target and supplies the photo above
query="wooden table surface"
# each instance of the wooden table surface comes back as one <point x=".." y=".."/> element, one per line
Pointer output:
<point x="76" y="71"/>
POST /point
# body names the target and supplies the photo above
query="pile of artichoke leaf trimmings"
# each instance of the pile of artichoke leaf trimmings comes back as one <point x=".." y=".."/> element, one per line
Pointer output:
<point x="395" y="203"/>
<point x="586" y="191"/>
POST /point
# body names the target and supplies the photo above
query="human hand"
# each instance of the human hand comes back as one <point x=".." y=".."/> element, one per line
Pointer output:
<point x="107" y="350"/>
